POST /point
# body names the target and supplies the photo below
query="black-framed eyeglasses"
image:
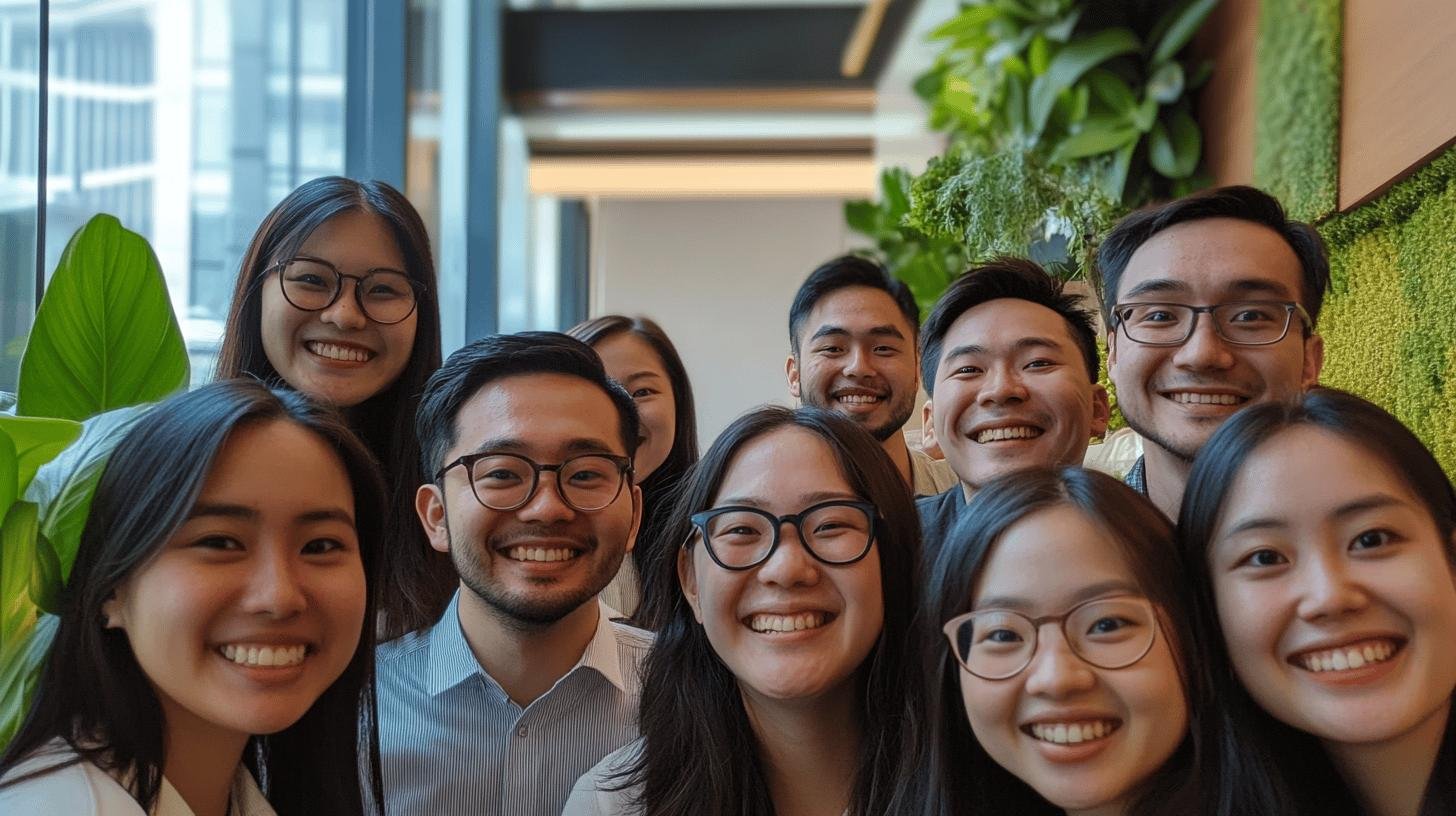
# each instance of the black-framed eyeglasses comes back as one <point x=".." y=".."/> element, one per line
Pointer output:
<point x="1109" y="633"/>
<point x="1243" y="322"/>
<point x="834" y="532"/>
<point x="386" y="296"/>
<point x="507" y="481"/>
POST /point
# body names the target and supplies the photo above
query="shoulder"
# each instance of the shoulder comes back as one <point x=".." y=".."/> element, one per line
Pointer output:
<point x="403" y="649"/>
<point x="930" y="476"/>
<point x="633" y="644"/>
<point x="593" y="795"/>
<point x="76" y="789"/>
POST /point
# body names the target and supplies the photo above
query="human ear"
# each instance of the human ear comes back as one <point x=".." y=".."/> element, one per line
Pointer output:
<point x="430" y="507"/>
<point x="111" y="613"/>
<point x="636" y="519"/>
<point x="1314" y="360"/>
<point x="927" y="432"/>
<point x="791" y="373"/>
<point x="1101" y="410"/>
<point x="687" y="578"/>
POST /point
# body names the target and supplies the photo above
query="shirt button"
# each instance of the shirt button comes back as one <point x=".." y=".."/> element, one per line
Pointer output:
<point x="521" y="732"/>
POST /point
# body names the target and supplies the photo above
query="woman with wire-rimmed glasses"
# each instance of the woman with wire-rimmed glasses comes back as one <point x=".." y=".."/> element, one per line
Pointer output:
<point x="336" y="298"/>
<point x="1064" y="670"/>
<point x="778" y="682"/>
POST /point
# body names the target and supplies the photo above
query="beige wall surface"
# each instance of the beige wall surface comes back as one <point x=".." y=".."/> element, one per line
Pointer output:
<point x="718" y="275"/>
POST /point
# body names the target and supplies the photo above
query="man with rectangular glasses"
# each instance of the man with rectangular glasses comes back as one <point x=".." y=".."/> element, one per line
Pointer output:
<point x="525" y="683"/>
<point x="1210" y="303"/>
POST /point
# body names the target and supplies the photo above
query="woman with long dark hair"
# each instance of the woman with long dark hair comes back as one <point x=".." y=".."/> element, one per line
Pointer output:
<point x="337" y="299"/>
<point x="215" y="648"/>
<point x="779" y="682"/>
<point x="1321" y="536"/>
<point x="639" y="355"/>
<point x="1091" y="714"/>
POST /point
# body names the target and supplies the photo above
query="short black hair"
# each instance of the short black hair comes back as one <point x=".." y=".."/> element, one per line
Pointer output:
<point x="505" y="355"/>
<point x="842" y="273"/>
<point x="1004" y="277"/>
<point x="1239" y="201"/>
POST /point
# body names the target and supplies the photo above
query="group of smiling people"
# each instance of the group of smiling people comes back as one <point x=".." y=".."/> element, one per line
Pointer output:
<point x="347" y="578"/>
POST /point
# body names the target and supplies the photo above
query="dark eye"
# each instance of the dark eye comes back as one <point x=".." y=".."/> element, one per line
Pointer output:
<point x="1108" y="624"/>
<point x="1253" y="315"/>
<point x="1371" y="539"/>
<point x="1040" y="363"/>
<point x="1264" y="558"/>
<point x="968" y="369"/>
<point x="643" y="393"/>
<point x="498" y="475"/>
<point x="1157" y="316"/>
<point x="1002" y="636"/>
<point x="320" y="546"/>
<point x="218" y="542"/>
<point x="829" y="349"/>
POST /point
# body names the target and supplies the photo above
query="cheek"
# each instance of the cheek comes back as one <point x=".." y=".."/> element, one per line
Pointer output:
<point x="990" y="708"/>
<point x="277" y="322"/>
<point x="1250" y="619"/>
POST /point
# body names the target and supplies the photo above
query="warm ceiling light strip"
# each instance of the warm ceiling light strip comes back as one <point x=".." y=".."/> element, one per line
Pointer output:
<point x="686" y="177"/>
<point x="862" y="39"/>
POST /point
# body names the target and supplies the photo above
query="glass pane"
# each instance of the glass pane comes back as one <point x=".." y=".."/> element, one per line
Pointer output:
<point x="19" y="158"/>
<point x="189" y="120"/>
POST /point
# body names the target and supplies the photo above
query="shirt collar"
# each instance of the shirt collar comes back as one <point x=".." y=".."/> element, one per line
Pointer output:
<point x="451" y="662"/>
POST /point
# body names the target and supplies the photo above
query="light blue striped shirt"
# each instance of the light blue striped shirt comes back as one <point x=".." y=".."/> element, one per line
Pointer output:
<point x="453" y="742"/>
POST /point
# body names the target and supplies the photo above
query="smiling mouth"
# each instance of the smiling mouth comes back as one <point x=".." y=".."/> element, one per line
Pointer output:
<point x="858" y="399"/>
<point x="541" y="554"/>
<point x="783" y="624"/>
<point x="1004" y="434"/>
<point x="253" y="655"/>
<point x="1194" y="398"/>
<point x="334" y="351"/>
<point x="1346" y="658"/>
<point x="1071" y="733"/>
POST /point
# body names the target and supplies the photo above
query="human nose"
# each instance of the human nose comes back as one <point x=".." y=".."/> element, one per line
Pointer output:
<point x="857" y="362"/>
<point x="1002" y="383"/>
<point x="790" y="563"/>
<point x="1327" y="589"/>
<point x="344" y="312"/>
<point x="1204" y="349"/>
<point x="1055" y="670"/>
<point x="274" y="587"/>
<point x="547" y="505"/>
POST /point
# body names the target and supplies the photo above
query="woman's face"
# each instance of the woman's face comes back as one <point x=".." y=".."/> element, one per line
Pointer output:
<point x="1334" y="590"/>
<point x="633" y="363"/>
<point x="338" y="355"/>
<point x="256" y="605"/>
<point x="1083" y="737"/>
<point x="791" y="628"/>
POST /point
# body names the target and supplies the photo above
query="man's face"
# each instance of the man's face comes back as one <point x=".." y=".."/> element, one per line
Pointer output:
<point x="1012" y="392"/>
<point x="857" y="358"/>
<point x="543" y="560"/>
<point x="1177" y="396"/>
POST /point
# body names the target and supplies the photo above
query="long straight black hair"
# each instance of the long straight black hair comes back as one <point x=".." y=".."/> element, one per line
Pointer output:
<point x="421" y="580"/>
<point x="1267" y="766"/>
<point x="658" y="487"/>
<point x="961" y="777"/>
<point x="93" y="694"/>
<point x="699" y="754"/>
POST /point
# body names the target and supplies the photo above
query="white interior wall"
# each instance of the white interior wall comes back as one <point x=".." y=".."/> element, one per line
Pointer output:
<point x="718" y="275"/>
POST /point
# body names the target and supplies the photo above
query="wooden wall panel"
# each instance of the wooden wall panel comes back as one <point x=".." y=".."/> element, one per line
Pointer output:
<point x="1226" y="107"/>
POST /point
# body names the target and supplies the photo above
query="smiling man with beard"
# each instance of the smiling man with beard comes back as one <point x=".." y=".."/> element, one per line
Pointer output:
<point x="852" y="338"/>
<point x="1010" y="361"/>
<point x="524" y="683"/>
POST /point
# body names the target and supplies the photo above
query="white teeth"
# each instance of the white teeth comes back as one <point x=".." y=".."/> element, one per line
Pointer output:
<point x="858" y="399"/>
<point x="539" y="554"/>
<point x="337" y="352"/>
<point x="1349" y="657"/>
<point x="264" y="655"/>
<point x="1206" y="399"/>
<point x="786" y="623"/>
<point x="1073" y="733"/>
<point x="1017" y="432"/>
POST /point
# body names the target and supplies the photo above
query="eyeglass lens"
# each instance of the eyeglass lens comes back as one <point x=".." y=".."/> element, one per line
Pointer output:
<point x="1247" y="323"/>
<point x="1110" y="634"/>
<point x="385" y="296"/>
<point x="505" y="482"/>
<point x="835" y="533"/>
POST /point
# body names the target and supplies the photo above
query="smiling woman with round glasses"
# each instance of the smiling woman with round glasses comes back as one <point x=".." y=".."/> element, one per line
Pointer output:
<point x="778" y="683"/>
<point x="1064" y="679"/>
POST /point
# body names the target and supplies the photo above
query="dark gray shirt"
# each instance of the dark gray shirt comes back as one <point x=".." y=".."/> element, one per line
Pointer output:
<point x="938" y="515"/>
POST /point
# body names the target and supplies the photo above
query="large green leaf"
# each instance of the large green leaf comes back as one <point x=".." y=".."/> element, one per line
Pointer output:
<point x="105" y="335"/>
<point x="1177" y="27"/>
<point x="1174" y="145"/>
<point x="9" y="474"/>
<point x="1068" y="66"/>
<point x="1096" y="137"/>
<point x="35" y="441"/>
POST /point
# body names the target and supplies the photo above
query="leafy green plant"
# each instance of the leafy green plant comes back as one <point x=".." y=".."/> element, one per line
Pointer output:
<point x="924" y="262"/>
<point x="104" y="340"/>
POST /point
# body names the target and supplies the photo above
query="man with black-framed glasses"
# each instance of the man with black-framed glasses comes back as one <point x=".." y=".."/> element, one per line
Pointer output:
<point x="1210" y="303"/>
<point x="525" y="682"/>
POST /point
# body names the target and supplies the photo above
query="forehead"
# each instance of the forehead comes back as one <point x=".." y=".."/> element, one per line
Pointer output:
<point x="856" y="308"/>
<point x="544" y="413"/>
<point x="778" y="469"/>
<point x="355" y="238"/>
<point x="1215" y="258"/>
<point x="263" y="464"/>
<point x="625" y="354"/>
<point x="997" y="326"/>
<point x="1082" y="550"/>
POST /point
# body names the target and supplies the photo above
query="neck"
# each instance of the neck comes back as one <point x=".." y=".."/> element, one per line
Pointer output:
<point x="1118" y="808"/>
<point x="809" y="750"/>
<point x="526" y="660"/>
<point x="1166" y="475"/>
<point x="899" y="454"/>
<point x="201" y="760"/>
<point x="1390" y="777"/>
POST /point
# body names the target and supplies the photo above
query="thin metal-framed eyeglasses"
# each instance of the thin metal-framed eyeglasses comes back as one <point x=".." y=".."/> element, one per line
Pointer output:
<point x="835" y="532"/>
<point x="508" y="481"/>
<point x="1109" y="633"/>
<point x="386" y="296"/>
<point x="1242" y="322"/>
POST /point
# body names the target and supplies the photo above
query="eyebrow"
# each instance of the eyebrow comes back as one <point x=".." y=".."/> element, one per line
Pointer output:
<point x="238" y="511"/>
<point x="1014" y="603"/>
<point x="1374" y="501"/>
<point x="583" y="444"/>
<point x="1240" y="286"/>
<point x="809" y="500"/>
<point x="641" y="375"/>
<point x="1020" y="345"/>
<point x="885" y="330"/>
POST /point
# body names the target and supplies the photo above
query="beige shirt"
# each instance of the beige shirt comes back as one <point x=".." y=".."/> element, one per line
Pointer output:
<point x="929" y="477"/>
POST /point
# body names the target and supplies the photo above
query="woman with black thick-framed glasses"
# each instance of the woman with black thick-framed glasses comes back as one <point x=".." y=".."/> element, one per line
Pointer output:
<point x="1065" y="675"/>
<point x="778" y="680"/>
